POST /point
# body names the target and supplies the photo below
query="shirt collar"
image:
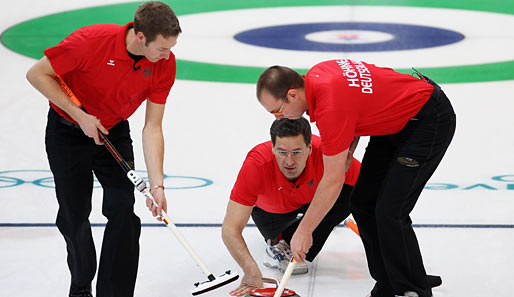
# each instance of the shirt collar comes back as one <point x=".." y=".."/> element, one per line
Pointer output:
<point x="121" y="45"/>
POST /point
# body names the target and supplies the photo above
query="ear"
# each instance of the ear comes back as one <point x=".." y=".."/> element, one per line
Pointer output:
<point x="141" y="37"/>
<point x="310" y="148"/>
<point x="295" y="94"/>
<point x="292" y="93"/>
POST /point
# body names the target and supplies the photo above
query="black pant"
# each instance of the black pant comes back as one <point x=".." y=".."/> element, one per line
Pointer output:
<point x="271" y="225"/>
<point x="73" y="159"/>
<point x="394" y="170"/>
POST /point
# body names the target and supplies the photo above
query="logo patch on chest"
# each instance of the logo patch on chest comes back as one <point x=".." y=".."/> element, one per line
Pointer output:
<point x="147" y="72"/>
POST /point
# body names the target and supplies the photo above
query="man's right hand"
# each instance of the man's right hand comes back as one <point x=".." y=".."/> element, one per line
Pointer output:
<point x="249" y="283"/>
<point x="90" y="126"/>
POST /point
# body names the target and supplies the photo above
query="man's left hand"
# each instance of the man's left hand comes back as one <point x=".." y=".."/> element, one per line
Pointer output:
<point x="160" y="199"/>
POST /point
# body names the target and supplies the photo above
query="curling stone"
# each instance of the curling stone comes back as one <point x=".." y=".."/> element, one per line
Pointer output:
<point x="270" y="292"/>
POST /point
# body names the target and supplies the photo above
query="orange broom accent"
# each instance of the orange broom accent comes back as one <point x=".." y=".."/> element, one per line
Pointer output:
<point x="67" y="90"/>
<point x="351" y="224"/>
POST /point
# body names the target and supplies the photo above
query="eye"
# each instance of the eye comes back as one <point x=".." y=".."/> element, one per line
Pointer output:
<point x="283" y="153"/>
<point x="296" y="153"/>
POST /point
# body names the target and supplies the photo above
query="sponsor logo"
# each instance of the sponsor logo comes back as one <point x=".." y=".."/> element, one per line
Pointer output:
<point x="357" y="75"/>
<point x="409" y="162"/>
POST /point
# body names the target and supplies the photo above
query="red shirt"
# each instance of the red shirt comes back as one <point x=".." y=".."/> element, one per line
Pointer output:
<point x="260" y="182"/>
<point x="351" y="98"/>
<point x="94" y="63"/>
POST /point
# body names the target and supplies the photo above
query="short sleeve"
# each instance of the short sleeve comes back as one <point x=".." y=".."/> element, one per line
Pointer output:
<point x="248" y="185"/>
<point x="335" y="117"/>
<point x="70" y="54"/>
<point x="165" y="81"/>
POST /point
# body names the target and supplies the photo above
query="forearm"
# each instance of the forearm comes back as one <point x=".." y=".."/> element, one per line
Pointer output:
<point x="40" y="76"/>
<point x="153" y="149"/>
<point x="237" y="247"/>
<point x="323" y="200"/>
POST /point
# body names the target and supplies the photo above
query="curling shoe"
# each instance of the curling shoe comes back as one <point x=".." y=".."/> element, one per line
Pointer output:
<point x="408" y="294"/>
<point x="80" y="292"/>
<point x="278" y="256"/>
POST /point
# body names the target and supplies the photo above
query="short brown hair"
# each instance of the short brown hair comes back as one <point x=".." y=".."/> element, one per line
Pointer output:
<point x="277" y="80"/>
<point x="285" y="127"/>
<point x="156" y="18"/>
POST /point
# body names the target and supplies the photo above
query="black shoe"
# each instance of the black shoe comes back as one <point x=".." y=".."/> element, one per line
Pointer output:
<point x="80" y="292"/>
<point x="434" y="280"/>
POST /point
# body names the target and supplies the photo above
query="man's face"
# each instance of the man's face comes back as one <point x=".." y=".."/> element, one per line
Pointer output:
<point x="291" y="154"/>
<point x="293" y="108"/>
<point x="159" y="48"/>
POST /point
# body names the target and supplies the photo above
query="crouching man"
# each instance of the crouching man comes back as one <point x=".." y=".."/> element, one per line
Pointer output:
<point x="275" y="186"/>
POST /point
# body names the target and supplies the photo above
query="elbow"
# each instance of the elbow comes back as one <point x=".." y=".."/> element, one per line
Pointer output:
<point x="225" y="233"/>
<point x="335" y="184"/>
<point x="33" y="76"/>
<point x="336" y="181"/>
<point x="152" y="129"/>
<point x="228" y="232"/>
<point x="30" y="76"/>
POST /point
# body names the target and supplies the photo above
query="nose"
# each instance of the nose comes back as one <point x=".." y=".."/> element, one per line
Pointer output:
<point x="166" y="55"/>
<point x="278" y="117"/>
<point x="289" y="159"/>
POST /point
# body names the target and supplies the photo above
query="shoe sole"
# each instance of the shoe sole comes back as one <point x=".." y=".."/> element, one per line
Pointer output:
<point x="295" y="272"/>
<point x="271" y="266"/>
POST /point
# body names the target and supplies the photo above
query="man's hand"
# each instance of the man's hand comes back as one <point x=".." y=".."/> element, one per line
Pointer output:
<point x="301" y="242"/>
<point x="90" y="126"/>
<point x="160" y="199"/>
<point x="249" y="283"/>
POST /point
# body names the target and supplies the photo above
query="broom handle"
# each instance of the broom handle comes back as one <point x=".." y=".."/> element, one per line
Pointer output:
<point x="289" y="271"/>
<point x="140" y="185"/>
<point x="138" y="182"/>
<point x="285" y="278"/>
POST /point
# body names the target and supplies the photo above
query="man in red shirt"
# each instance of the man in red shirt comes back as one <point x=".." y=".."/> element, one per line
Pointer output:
<point x="411" y="123"/>
<point x="275" y="184"/>
<point x="111" y="69"/>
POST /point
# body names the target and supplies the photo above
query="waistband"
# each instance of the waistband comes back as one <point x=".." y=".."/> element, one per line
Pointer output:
<point x="64" y="121"/>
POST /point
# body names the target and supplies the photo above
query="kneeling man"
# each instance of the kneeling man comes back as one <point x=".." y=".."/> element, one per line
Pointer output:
<point x="275" y="186"/>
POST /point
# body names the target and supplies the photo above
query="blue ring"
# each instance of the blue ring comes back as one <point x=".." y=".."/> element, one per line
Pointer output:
<point x="10" y="181"/>
<point x="292" y="37"/>
<point x="45" y="182"/>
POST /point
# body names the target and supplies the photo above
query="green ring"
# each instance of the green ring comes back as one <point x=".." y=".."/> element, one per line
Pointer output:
<point x="26" y="38"/>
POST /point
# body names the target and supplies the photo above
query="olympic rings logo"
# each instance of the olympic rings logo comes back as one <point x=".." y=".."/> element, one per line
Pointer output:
<point x="41" y="178"/>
